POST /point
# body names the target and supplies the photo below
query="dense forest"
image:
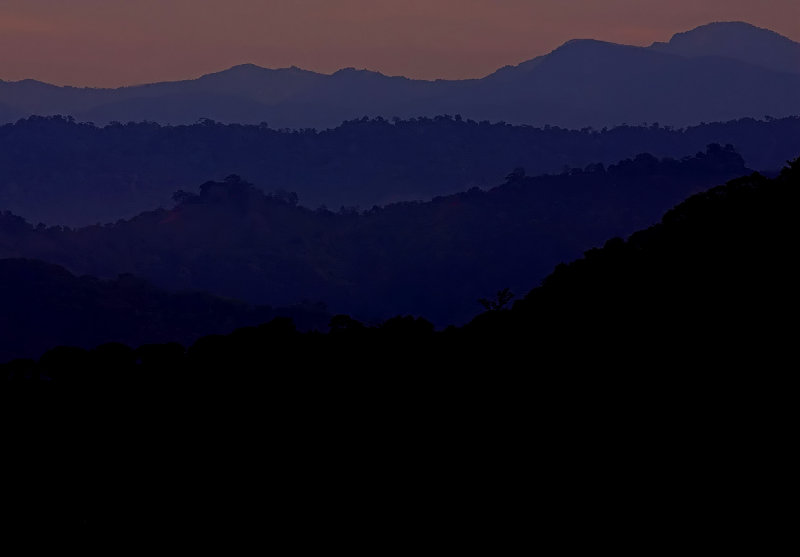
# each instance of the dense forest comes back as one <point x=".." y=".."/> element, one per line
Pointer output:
<point x="58" y="171"/>
<point x="435" y="258"/>
<point x="712" y="281"/>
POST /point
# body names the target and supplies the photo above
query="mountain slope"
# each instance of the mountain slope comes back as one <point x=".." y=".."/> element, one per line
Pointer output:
<point x="595" y="83"/>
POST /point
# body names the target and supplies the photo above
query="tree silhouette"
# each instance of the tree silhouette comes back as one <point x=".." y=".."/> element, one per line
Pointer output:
<point x="502" y="298"/>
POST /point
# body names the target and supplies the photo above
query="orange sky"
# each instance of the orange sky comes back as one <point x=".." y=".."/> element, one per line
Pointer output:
<point x="124" y="42"/>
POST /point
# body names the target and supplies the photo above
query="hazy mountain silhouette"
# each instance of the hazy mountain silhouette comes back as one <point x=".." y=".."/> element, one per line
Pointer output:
<point x="61" y="172"/>
<point x="737" y="40"/>
<point x="434" y="259"/>
<point x="596" y="83"/>
<point x="583" y="82"/>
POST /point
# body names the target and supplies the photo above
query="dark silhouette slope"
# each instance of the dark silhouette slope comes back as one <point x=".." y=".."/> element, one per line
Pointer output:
<point x="654" y="368"/>
<point x="711" y="289"/>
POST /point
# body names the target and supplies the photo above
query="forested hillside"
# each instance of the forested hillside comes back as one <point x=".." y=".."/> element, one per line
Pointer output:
<point x="434" y="259"/>
<point x="57" y="171"/>
<point x="701" y="300"/>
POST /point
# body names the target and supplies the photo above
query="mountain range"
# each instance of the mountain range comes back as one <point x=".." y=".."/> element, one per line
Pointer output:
<point x="706" y="74"/>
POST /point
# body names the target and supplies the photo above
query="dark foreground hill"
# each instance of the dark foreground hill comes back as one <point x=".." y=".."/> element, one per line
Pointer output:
<point x="43" y="305"/>
<point x="651" y="374"/>
<point x="61" y="172"/>
<point x="434" y="259"/>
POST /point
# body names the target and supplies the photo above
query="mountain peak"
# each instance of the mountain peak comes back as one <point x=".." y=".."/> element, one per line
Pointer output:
<point x="727" y="30"/>
<point x="251" y="73"/>
<point x="32" y="83"/>
<point x="350" y="71"/>
<point x="582" y="46"/>
<point x="588" y="43"/>
<point x="587" y="50"/>
<point x="245" y="67"/>
<point x="738" y="40"/>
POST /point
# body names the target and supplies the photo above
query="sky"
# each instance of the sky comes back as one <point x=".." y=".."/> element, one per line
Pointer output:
<point x="110" y="43"/>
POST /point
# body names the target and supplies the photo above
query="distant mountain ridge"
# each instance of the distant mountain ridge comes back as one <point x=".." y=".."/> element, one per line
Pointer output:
<point x="44" y="305"/>
<point x="706" y="74"/>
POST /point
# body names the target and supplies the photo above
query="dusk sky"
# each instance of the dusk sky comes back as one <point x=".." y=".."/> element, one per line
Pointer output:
<point x="124" y="42"/>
